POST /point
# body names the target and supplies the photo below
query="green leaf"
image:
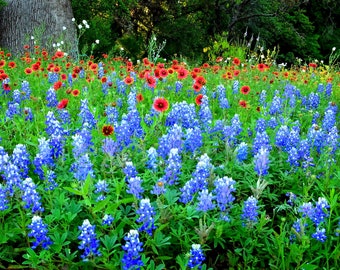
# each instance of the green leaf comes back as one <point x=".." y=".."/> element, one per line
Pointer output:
<point x="74" y="191"/>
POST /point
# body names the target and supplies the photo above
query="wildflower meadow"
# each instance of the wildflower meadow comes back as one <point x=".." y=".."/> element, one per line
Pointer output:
<point x="112" y="164"/>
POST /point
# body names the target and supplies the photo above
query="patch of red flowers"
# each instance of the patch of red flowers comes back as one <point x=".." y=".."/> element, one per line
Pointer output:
<point x="161" y="104"/>
<point x="57" y="85"/>
<point x="128" y="80"/>
<point x="243" y="103"/>
<point x="139" y="97"/>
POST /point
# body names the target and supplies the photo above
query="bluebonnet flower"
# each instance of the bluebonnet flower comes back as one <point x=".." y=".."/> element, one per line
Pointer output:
<point x="89" y="242"/>
<point x="110" y="147"/>
<point x="329" y="120"/>
<point x="16" y="96"/>
<point x="50" y="177"/>
<point x="307" y="210"/>
<point x="3" y="198"/>
<point x="178" y="86"/>
<point x="193" y="139"/>
<point x="272" y="122"/>
<point x="205" y="202"/>
<point x="82" y="167"/>
<point x="332" y="140"/>
<point x="4" y="159"/>
<point x="64" y="116"/>
<point x="51" y="98"/>
<point x="241" y="152"/>
<point x="53" y="126"/>
<point x="294" y="137"/>
<point x="205" y="112"/>
<point x="337" y="230"/>
<point x="313" y="101"/>
<point x="281" y="139"/>
<point x="276" y="106"/>
<point x="12" y="177"/>
<point x="173" y="169"/>
<point x="260" y="125"/>
<point x="100" y="70"/>
<point x="304" y="149"/>
<point x="158" y="188"/>
<point x="223" y="101"/>
<point x="236" y="127"/>
<point x="70" y="79"/>
<point x="56" y="143"/>
<point x="112" y="115"/>
<point x="293" y="157"/>
<point x="12" y="110"/>
<point x="82" y="142"/>
<point x="261" y="161"/>
<point x="129" y="170"/>
<point x="52" y="77"/>
<point x="298" y="228"/>
<point x="320" y="212"/>
<point x="39" y="232"/>
<point x="261" y="140"/>
<point x="250" y="211"/>
<point x="81" y="73"/>
<point x="223" y="192"/>
<point x="316" y="116"/>
<point x="182" y="114"/>
<point x="262" y="98"/>
<point x="28" y="114"/>
<point x="196" y="256"/>
<point x="135" y="187"/>
<point x="173" y="139"/>
<point x="123" y="133"/>
<point x="152" y="159"/>
<point x="43" y="157"/>
<point x="21" y="159"/>
<point x="146" y="216"/>
<point x="107" y="220"/>
<point x="235" y="88"/>
<point x="328" y="91"/>
<point x="30" y="196"/>
<point x="131" y="100"/>
<point x="86" y="115"/>
<point x="320" y="235"/>
<point x="291" y="198"/>
<point x="316" y="138"/>
<point x="26" y="90"/>
<point x="121" y="86"/>
<point x="101" y="187"/>
<point x="320" y="88"/>
<point x="133" y="247"/>
<point x="134" y="120"/>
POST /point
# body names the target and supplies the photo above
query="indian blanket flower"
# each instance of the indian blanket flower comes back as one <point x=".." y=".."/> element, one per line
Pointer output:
<point x="198" y="99"/>
<point x="245" y="90"/>
<point x="250" y="211"/>
<point x="146" y="216"/>
<point x="161" y="104"/>
<point x="39" y="232"/>
<point x="30" y="196"/>
<point x="196" y="256"/>
<point x="62" y="104"/>
<point x="89" y="242"/>
<point x="133" y="247"/>
<point x="107" y="130"/>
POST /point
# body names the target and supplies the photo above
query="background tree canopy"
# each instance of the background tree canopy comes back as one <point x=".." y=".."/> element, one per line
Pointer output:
<point x="305" y="29"/>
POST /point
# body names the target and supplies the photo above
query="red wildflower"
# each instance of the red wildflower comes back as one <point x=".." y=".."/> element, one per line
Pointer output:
<point x="6" y="87"/>
<point x="163" y="72"/>
<point x="245" y="90"/>
<point x="182" y="74"/>
<point x="196" y="70"/>
<point x="236" y="61"/>
<point x="75" y="92"/>
<point x="236" y="72"/>
<point x="128" y="80"/>
<point x="198" y="99"/>
<point x="197" y="87"/>
<point x="59" y="54"/>
<point x="62" y="104"/>
<point x="107" y="130"/>
<point x="146" y="62"/>
<point x="3" y="76"/>
<point x="63" y="76"/>
<point x="243" y="103"/>
<point x="312" y="65"/>
<point x="219" y="59"/>
<point x="28" y="70"/>
<point x="151" y="81"/>
<point x="57" y="85"/>
<point x="94" y="67"/>
<point x="262" y="67"/>
<point x="161" y="104"/>
<point x="2" y="63"/>
<point x="139" y="97"/>
<point x="35" y="67"/>
<point x="12" y="64"/>
<point x="200" y="80"/>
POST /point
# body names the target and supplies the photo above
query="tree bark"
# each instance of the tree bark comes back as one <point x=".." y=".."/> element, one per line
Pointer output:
<point x="44" y="20"/>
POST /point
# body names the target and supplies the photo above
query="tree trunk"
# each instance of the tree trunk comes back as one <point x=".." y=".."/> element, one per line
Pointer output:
<point x="21" y="20"/>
